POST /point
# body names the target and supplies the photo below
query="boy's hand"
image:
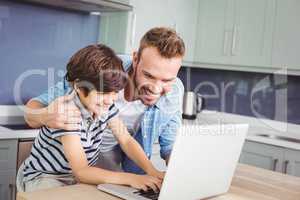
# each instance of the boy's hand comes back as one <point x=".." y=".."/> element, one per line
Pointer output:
<point x="144" y="182"/>
<point x="62" y="113"/>
<point x="158" y="174"/>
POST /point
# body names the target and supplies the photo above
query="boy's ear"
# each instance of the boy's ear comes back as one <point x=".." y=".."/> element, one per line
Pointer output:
<point x="75" y="87"/>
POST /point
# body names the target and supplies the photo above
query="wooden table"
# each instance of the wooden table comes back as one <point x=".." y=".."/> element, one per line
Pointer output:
<point x="249" y="183"/>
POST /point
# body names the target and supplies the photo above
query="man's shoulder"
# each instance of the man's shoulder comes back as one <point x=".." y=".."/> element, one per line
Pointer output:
<point x="127" y="61"/>
<point x="177" y="90"/>
<point x="173" y="99"/>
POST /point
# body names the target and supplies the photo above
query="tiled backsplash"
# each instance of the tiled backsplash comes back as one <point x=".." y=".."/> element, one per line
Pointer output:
<point x="253" y="94"/>
<point x="35" y="45"/>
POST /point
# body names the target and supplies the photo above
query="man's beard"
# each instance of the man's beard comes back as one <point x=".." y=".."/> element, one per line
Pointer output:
<point x="143" y="92"/>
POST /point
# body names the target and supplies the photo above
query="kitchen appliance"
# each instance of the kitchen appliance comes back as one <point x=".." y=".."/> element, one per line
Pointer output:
<point x="192" y="104"/>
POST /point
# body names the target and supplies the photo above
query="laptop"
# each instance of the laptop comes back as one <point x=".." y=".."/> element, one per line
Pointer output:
<point x="201" y="165"/>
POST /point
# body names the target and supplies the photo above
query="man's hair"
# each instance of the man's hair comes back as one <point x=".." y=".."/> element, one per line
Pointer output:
<point x="168" y="43"/>
<point x="96" y="67"/>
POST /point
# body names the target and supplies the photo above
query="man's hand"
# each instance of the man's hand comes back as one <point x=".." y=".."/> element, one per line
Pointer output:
<point x="62" y="113"/>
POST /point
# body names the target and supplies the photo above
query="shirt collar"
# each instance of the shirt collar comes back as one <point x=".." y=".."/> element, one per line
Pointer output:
<point x="86" y="115"/>
<point x="84" y="112"/>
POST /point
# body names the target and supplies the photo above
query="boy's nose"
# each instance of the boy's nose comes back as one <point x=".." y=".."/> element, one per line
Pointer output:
<point x="110" y="99"/>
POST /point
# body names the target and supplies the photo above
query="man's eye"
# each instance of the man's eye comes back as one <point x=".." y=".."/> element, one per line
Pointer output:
<point x="148" y="76"/>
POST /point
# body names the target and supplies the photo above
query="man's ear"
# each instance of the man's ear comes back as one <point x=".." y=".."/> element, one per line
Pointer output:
<point x="135" y="59"/>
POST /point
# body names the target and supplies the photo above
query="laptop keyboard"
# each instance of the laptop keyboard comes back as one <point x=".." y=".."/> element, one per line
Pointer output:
<point x="150" y="194"/>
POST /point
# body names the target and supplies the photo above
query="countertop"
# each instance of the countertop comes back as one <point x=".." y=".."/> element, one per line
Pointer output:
<point x="6" y="133"/>
<point x="249" y="183"/>
<point x="256" y="126"/>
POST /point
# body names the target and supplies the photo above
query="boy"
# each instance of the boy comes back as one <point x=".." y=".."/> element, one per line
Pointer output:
<point x="60" y="157"/>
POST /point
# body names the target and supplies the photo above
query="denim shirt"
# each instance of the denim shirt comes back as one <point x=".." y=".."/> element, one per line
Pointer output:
<point x="160" y="121"/>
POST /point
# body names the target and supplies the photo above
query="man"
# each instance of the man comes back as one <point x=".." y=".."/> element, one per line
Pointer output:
<point x="150" y="106"/>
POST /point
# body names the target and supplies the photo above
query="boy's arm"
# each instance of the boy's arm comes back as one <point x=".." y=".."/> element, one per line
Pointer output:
<point x="132" y="148"/>
<point x="76" y="157"/>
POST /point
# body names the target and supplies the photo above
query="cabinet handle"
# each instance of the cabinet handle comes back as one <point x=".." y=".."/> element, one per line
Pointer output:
<point x="176" y="27"/>
<point x="233" y="47"/>
<point x="285" y="166"/>
<point x="11" y="190"/>
<point x="275" y="161"/>
<point x="133" y="30"/>
<point x="225" y="43"/>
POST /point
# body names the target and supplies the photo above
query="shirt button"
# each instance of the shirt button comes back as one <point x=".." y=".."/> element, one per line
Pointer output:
<point x="145" y="136"/>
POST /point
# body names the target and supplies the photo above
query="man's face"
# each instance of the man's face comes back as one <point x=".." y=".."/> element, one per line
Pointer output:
<point x="154" y="74"/>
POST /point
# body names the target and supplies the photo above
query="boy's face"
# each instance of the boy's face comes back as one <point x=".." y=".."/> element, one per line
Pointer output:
<point x="97" y="102"/>
<point x="154" y="74"/>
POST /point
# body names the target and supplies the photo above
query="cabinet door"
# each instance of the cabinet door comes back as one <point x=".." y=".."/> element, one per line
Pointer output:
<point x="286" y="36"/>
<point x="149" y="14"/>
<point x="291" y="164"/>
<point x="7" y="185"/>
<point x="214" y="31"/>
<point x="253" y="32"/>
<point x="8" y="154"/>
<point x="262" y="155"/>
<point x="115" y="31"/>
<point x="184" y="19"/>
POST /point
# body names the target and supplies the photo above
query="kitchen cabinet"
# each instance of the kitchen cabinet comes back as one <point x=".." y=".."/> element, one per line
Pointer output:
<point x="237" y="32"/>
<point x="123" y="30"/>
<point x="292" y="162"/>
<point x="12" y="154"/>
<point x="85" y="5"/>
<point x="8" y="160"/>
<point x="149" y="14"/>
<point x="7" y="185"/>
<point x="271" y="157"/>
<point x="184" y="21"/>
<point x="8" y="154"/>
<point x="286" y="46"/>
<point x="116" y="32"/>
<point x="262" y="155"/>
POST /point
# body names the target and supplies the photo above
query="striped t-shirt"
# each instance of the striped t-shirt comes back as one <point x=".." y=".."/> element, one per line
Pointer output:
<point x="47" y="154"/>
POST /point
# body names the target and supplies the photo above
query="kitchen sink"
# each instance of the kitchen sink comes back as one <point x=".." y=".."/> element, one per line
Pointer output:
<point x="276" y="137"/>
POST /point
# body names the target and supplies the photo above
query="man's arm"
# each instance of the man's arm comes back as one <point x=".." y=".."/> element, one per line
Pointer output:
<point x="53" y="109"/>
<point x="61" y="114"/>
<point x="168" y="135"/>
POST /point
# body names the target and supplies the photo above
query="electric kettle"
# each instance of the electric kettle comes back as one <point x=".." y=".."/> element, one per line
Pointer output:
<point x="192" y="104"/>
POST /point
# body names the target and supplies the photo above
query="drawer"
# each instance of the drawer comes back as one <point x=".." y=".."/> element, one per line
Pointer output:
<point x="24" y="151"/>
<point x="8" y="185"/>
<point x="8" y="154"/>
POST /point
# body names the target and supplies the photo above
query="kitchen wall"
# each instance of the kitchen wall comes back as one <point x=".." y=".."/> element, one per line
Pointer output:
<point x="252" y="94"/>
<point x="35" y="45"/>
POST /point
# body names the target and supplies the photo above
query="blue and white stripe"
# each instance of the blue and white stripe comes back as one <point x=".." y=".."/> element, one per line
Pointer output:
<point x="47" y="154"/>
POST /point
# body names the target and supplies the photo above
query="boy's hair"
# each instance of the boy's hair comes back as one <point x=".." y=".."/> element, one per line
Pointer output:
<point x="96" y="67"/>
<point x="168" y="43"/>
